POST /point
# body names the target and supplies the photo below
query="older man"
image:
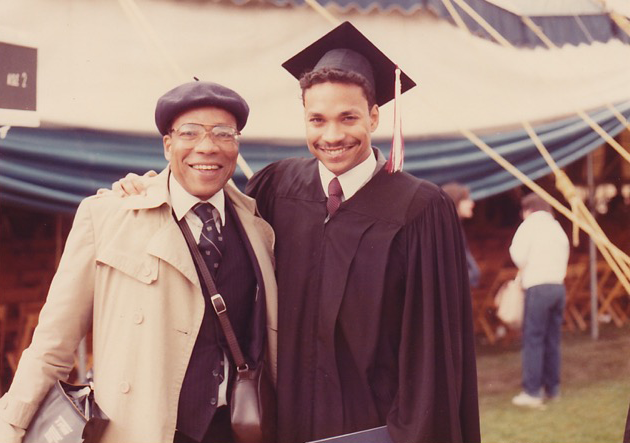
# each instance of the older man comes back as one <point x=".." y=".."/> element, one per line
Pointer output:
<point x="161" y="364"/>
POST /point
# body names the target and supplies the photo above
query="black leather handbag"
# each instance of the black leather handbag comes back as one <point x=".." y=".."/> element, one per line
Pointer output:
<point x="68" y="414"/>
<point x="253" y="399"/>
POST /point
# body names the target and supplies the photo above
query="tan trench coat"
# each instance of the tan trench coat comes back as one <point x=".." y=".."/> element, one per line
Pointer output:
<point x="127" y="269"/>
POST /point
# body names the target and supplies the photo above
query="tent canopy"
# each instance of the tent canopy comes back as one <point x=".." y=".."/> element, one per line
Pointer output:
<point x="101" y="69"/>
<point x="103" y="64"/>
<point x="53" y="169"/>
<point x="563" y="21"/>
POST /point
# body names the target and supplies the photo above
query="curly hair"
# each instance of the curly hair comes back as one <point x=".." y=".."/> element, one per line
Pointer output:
<point x="456" y="191"/>
<point x="333" y="75"/>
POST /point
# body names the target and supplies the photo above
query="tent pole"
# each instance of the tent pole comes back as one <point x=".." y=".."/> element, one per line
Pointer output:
<point x="622" y="268"/>
<point x="323" y="12"/>
<point x="592" y="252"/>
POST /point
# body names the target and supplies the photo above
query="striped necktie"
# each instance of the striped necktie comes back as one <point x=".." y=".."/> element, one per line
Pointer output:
<point x="211" y="241"/>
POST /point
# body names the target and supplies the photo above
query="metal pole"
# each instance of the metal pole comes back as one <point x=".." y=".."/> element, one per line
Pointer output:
<point x="592" y="251"/>
<point x="82" y="357"/>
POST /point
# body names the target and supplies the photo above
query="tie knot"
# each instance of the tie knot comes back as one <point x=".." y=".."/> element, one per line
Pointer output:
<point x="334" y="188"/>
<point x="204" y="212"/>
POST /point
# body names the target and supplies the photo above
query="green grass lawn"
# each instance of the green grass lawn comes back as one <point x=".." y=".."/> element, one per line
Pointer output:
<point x="595" y="392"/>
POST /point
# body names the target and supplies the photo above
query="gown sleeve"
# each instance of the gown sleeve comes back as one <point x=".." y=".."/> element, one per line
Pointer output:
<point x="261" y="188"/>
<point x="437" y="392"/>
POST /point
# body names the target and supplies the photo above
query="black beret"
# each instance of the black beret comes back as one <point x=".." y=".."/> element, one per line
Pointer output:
<point x="195" y="95"/>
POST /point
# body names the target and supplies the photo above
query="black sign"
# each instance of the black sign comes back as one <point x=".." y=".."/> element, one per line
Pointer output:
<point x="18" y="77"/>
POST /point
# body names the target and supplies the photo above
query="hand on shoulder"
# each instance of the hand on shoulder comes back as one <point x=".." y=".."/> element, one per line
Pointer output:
<point x="131" y="184"/>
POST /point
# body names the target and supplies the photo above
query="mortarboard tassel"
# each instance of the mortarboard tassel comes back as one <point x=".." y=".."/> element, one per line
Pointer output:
<point x="397" y="153"/>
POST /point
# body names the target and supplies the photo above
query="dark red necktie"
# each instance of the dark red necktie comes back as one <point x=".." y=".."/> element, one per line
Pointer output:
<point x="335" y="194"/>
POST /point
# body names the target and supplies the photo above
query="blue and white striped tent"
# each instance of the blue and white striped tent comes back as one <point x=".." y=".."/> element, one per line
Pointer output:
<point x="103" y="64"/>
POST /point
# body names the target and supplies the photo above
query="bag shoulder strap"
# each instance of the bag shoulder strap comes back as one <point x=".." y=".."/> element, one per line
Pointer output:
<point x="217" y="300"/>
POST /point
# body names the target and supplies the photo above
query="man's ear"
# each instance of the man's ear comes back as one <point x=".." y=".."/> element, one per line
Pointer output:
<point x="166" y="141"/>
<point x="374" y="116"/>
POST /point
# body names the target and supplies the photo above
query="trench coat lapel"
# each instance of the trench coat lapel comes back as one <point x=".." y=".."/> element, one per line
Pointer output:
<point x="168" y="242"/>
<point x="253" y="225"/>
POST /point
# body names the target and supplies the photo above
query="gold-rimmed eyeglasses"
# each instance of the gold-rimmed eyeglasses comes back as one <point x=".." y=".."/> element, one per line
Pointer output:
<point x="195" y="133"/>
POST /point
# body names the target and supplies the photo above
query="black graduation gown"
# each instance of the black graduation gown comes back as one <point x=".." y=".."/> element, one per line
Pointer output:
<point x="375" y="323"/>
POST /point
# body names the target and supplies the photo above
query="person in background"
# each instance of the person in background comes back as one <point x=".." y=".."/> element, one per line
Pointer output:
<point x="540" y="250"/>
<point x="460" y="194"/>
<point x="162" y="368"/>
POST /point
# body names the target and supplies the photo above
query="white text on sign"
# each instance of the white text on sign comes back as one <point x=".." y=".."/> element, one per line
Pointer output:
<point x="17" y="80"/>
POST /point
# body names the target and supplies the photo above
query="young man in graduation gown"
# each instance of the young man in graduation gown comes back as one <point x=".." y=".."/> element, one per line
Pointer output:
<point x="375" y="323"/>
<point x="374" y="310"/>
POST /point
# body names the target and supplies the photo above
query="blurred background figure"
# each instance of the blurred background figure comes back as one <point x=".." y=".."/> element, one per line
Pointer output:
<point x="540" y="250"/>
<point x="460" y="194"/>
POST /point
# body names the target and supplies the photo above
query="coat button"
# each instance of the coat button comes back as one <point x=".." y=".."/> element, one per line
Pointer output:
<point x="146" y="271"/>
<point x="138" y="318"/>
<point x="124" y="387"/>
<point x="215" y="373"/>
<point x="213" y="401"/>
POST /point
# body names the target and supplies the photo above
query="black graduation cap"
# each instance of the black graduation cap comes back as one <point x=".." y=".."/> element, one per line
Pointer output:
<point x="345" y="48"/>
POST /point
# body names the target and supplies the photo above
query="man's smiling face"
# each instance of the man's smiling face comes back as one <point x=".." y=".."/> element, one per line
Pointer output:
<point x="205" y="166"/>
<point x="339" y="125"/>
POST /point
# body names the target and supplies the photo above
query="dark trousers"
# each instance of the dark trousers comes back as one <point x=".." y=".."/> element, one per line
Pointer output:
<point x="542" y="324"/>
<point x="219" y="431"/>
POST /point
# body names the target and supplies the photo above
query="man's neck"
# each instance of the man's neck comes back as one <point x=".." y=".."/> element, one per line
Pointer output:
<point x="351" y="180"/>
<point x="182" y="201"/>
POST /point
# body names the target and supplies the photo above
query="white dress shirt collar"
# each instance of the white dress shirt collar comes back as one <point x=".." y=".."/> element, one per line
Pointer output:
<point x="351" y="181"/>
<point x="183" y="201"/>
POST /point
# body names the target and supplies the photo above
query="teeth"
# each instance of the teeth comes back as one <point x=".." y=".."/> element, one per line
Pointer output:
<point x="335" y="151"/>
<point x="205" y="167"/>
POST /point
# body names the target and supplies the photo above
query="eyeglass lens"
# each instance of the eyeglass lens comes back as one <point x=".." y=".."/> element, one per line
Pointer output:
<point x="194" y="132"/>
